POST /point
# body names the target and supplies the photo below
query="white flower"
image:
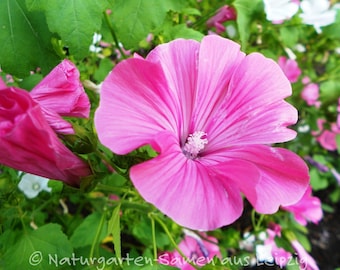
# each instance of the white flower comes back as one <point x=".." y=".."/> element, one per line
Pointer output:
<point x="31" y="185"/>
<point x="318" y="13"/>
<point x="96" y="38"/>
<point x="279" y="10"/>
<point x="248" y="241"/>
<point x="231" y="31"/>
<point x="264" y="253"/>
<point x="300" y="48"/>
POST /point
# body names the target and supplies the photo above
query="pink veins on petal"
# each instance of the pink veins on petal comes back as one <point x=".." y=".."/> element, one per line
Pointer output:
<point x="211" y="112"/>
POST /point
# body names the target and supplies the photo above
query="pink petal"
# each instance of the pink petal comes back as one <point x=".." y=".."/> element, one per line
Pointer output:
<point x="186" y="190"/>
<point x="30" y="145"/>
<point x="254" y="111"/>
<point x="308" y="208"/>
<point x="310" y="93"/>
<point x="283" y="176"/>
<point x="192" y="248"/>
<point x="218" y="59"/>
<point x="57" y="123"/>
<point x="327" y="139"/>
<point x="2" y="84"/>
<point x="178" y="60"/>
<point x="61" y="91"/>
<point x="306" y="261"/>
<point x="135" y="105"/>
<point x="290" y="68"/>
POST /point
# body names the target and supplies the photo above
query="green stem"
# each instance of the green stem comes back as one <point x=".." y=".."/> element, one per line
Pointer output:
<point x="136" y="206"/>
<point x="154" y="238"/>
<point x="108" y="161"/>
<point x="21" y="215"/>
<point x="256" y="225"/>
<point x="173" y="242"/>
<point x="108" y="188"/>
<point x="112" y="31"/>
<point x="96" y="238"/>
<point x="39" y="208"/>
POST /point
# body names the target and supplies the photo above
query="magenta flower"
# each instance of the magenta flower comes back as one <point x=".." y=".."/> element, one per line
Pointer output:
<point x="307" y="209"/>
<point x="223" y="14"/>
<point x="61" y="93"/>
<point x="310" y="94"/>
<point x="338" y="116"/>
<point x="198" y="251"/>
<point x="27" y="142"/>
<point x="2" y="84"/>
<point x="306" y="261"/>
<point x="290" y="68"/>
<point x="326" y="138"/>
<point x="210" y="112"/>
<point x="269" y="252"/>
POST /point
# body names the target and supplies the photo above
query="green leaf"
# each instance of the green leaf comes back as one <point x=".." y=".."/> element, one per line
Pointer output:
<point x="35" y="4"/>
<point x="304" y="241"/>
<point x="289" y="35"/>
<point x="245" y="10"/>
<point x="103" y="70"/>
<point x="75" y="21"/>
<point x="142" y="231"/>
<point x="316" y="181"/>
<point x="114" y="229"/>
<point x="115" y="180"/>
<point x="332" y="31"/>
<point x="25" y="40"/>
<point x="135" y="19"/>
<point x="85" y="233"/>
<point x="293" y="265"/>
<point x="330" y="91"/>
<point x="337" y="139"/>
<point x="182" y="31"/>
<point x="39" y="249"/>
<point x="29" y="82"/>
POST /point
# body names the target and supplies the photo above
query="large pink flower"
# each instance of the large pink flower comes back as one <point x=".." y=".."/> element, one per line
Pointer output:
<point x="28" y="143"/>
<point x="60" y="93"/>
<point x="210" y="112"/>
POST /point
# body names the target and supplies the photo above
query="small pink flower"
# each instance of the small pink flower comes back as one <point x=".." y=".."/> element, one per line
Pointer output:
<point x="305" y="260"/>
<point x="198" y="251"/>
<point x="149" y="38"/>
<point x="310" y="94"/>
<point x="307" y="209"/>
<point x="305" y="80"/>
<point x="27" y="142"/>
<point x="338" y="116"/>
<point x="280" y="255"/>
<point x="290" y="68"/>
<point x="61" y="93"/>
<point x="225" y="13"/>
<point x="326" y="138"/>
<point x="210" y="111"/>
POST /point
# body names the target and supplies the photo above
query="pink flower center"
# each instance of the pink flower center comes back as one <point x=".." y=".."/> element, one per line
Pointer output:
<point x="195" y="144"/>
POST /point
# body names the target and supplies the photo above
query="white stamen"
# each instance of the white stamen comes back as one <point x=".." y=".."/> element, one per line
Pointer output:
<point x="195" y="143"/>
